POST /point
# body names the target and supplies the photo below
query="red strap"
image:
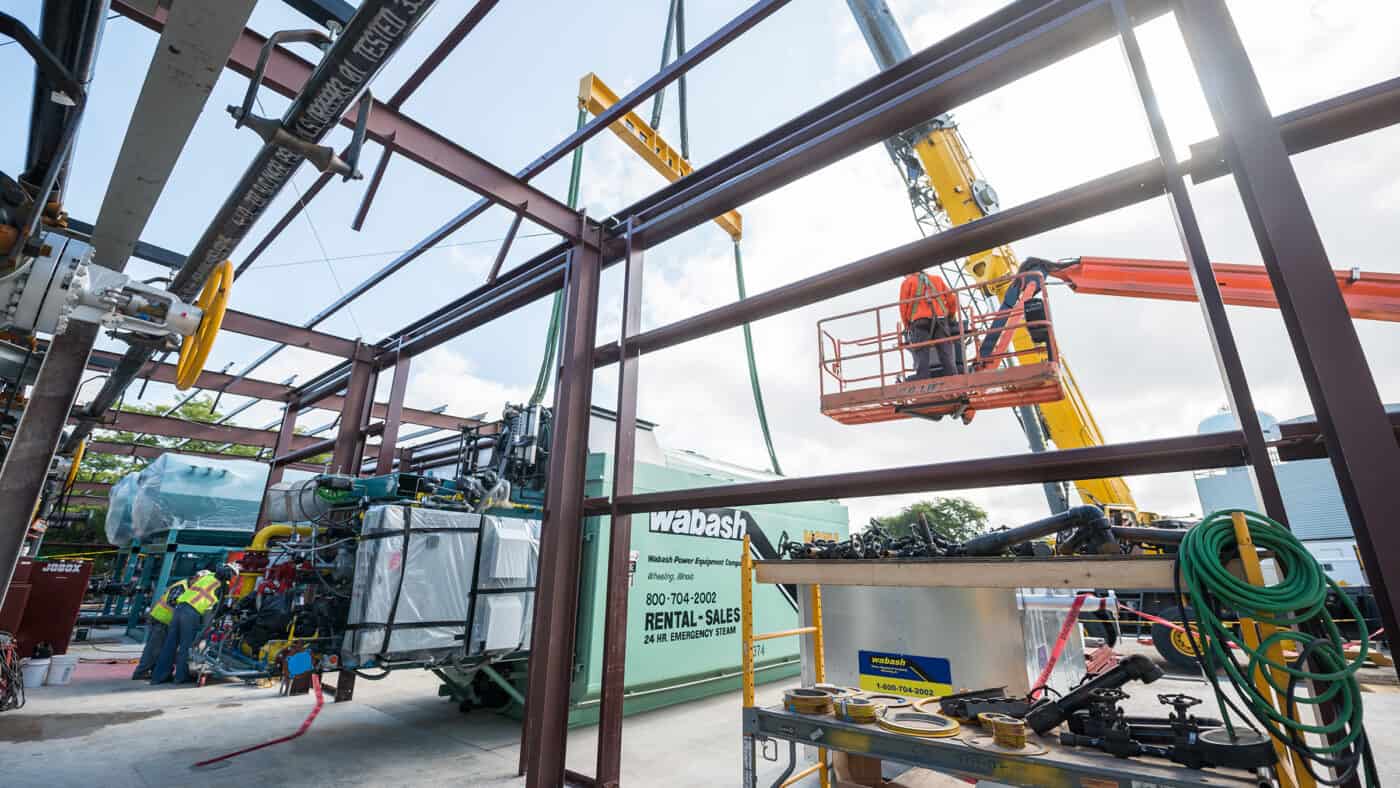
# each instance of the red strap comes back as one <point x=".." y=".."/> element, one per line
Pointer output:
<point x="305" y="725"/>
<point x="1060" y="642"/>
<point x="1152" y="618"/>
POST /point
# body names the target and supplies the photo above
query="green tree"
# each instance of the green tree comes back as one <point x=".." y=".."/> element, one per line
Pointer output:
<point x="957" y="519"/>
<point x="110" y="468"/>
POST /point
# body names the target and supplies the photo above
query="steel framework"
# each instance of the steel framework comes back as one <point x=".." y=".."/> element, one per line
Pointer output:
<point x="1352" y="428"/>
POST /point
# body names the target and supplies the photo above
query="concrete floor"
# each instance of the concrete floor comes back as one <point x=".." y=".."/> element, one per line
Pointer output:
<point x="106" y="730"/>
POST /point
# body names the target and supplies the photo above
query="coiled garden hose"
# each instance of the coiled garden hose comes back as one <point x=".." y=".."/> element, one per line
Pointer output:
<point x="1298" y="598"/>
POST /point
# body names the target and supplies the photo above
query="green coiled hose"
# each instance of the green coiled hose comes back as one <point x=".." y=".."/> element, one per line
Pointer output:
<point x="1298" y="598"/>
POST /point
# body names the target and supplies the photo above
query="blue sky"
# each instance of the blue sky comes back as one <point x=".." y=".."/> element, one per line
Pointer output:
<point x="508" y="94"/>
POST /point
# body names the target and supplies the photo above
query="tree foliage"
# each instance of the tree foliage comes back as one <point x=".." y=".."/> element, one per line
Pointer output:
<point x="957" y="519"/>
<point x="109" y="468"/>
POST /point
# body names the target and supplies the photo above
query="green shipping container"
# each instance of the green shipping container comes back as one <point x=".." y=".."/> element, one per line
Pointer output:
<point x="683" y="628"/>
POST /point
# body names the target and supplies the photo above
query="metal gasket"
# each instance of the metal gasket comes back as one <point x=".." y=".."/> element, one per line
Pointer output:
<point x="858" y="710"/>
<point x="919" y="723"/>
<point x="887" y="700"/>
<point x="807" y="700"/>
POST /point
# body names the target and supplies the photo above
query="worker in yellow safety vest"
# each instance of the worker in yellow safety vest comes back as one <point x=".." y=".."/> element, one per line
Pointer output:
<point x="158" y="624"/>
<point x="929" y="311"/>
<point x="190" y="609"/>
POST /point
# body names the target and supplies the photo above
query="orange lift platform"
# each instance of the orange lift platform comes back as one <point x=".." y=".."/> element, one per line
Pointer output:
<point x="867" y="372"/>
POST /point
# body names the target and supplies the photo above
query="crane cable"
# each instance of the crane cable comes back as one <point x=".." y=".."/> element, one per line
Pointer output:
<point x="1299" y="597"/>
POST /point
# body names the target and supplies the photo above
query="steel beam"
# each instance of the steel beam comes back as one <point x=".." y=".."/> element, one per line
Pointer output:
<point x="287" y="334"/>
<point x="166" y="426"/>
<point x="1208" y="295"/>
<point x="146" y="452"/>
<point x="321" y="97"/>
<point x="1165" y="455"/>
<point x="288" y="74"/>
<point x="277" y="392"/>
<point x="1345" y="399"/>
<point x="354" y="418"/>
<point x="1318" y="124"/>
<point x="392" y="416"/>
<point x="609" y="764"/>
<point x="36" y="437"/>
<point x="556" y="597"/>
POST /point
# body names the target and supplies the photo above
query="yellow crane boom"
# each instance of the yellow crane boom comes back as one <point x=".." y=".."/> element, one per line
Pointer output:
<point x="962" y="197"/>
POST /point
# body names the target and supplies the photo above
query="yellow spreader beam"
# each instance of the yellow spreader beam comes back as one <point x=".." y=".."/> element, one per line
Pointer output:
<point x="595" y="97"/>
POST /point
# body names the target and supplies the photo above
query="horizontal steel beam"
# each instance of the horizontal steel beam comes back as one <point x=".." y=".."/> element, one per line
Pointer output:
<point x="166" y="426"/>
<point x="146" y="452"/>
<point x="161" y="372"/>
<point x="1167" y="455"/>
<point x="1312" y="126"/>
<point x="286" y="73"/>
<point x="276" y="392"/>
<point x="323" y="446"/>
<point x="287" y="334"/>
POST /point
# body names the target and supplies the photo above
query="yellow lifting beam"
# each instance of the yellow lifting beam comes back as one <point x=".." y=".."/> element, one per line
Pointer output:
<point x="948" y="165"/>
<point x="595" y="97"/>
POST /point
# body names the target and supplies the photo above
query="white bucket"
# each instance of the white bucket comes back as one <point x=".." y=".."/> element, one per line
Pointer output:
<point x="34" y="671"/>
<point x="61" y="669"/>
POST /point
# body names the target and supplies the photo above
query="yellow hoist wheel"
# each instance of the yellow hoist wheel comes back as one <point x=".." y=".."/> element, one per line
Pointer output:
<point x="77" y="460"/>
<point x="213" y="300"/>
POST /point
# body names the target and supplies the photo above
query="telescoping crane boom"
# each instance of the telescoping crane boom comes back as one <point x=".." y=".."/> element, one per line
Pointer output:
<point x="950" y="193"/>
<point x="945" y="190"/>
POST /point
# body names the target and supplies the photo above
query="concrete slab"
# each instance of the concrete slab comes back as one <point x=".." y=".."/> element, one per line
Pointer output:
<point x="104" y="729"/>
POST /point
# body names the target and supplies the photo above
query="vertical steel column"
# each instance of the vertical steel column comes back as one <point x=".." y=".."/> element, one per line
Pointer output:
<point x="556" y="599"/>
<point x="1354" y="425"/>
<point x="350" y="435"/>
<point x="609" y="770"/>
<point x="348" y="454"/>
<point x="1227" y="353"/>
<point x="285" y="434"/>
<point x="393" y="415"/>
<point x="36" y="438"/>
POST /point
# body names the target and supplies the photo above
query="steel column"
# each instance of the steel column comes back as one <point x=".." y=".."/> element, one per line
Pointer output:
<point x="609" y="768"/>
<point x="556" y="599"/>
<point x="285" y="433"/>
<point x="393" y="414"/>
<point x="36" y="438"/>
<point x="353" y="418"/>
<point x="1227" y="353"/>
<point x="1348" y="406"/>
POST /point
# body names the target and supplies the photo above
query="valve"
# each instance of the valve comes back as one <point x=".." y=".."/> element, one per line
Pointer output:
<point x="63" y="284"/>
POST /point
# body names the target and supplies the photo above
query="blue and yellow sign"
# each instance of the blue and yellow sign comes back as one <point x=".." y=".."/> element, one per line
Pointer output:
<point x="905" y="674"/>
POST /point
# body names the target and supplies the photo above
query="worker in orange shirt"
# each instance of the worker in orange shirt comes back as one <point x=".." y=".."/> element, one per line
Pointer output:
<point x="929" y="310"/>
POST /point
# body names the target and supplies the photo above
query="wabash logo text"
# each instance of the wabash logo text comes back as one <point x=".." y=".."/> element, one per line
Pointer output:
<point x="713" y="523"/>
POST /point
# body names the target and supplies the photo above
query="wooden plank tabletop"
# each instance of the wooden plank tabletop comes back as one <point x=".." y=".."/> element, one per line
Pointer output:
<point x="1149" y="572"/>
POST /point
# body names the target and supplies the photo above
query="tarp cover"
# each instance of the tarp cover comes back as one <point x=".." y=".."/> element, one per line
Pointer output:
<point x="200" y="493"/>
<point x="119" y="500"/>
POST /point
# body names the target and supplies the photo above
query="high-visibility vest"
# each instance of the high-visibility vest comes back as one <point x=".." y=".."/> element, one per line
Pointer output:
<point x="162" y="611"/>
<point x="923" y="297"/>
<point x="202" y="594"/>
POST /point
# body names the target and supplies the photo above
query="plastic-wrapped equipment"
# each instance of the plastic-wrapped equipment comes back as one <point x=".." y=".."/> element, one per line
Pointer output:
<point x="505" y="593"/>
<point x="414" y="593"/>
<point x="200" y="493"/>
<point x="296" y="502"/>
<point x="119" y="501"/>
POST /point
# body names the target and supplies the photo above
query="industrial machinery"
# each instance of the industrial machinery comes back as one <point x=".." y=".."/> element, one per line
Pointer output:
<point x="324" y="577"/>
<point x="179" y="515"/>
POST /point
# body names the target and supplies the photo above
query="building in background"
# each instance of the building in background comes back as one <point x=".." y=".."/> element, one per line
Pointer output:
<point x="1310" y="495"/>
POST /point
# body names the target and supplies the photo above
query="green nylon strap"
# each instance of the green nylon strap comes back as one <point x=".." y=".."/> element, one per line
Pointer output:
<point x="753" y="367"/>
<point x="551" y="340"/>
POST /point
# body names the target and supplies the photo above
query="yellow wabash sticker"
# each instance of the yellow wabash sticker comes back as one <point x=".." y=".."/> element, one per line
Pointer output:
<point x="905" y="674"/>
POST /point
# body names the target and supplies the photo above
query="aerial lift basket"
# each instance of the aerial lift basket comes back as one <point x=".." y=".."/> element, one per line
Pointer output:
<point x="867" y="373"/>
